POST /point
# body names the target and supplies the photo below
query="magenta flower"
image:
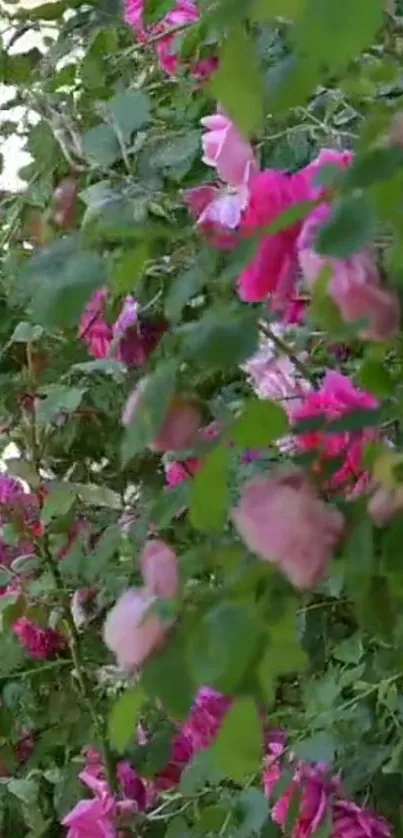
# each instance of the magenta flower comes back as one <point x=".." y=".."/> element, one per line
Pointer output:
<point x="218" y="212"/>
<point x="317" y="789"/>
<point x="41" y="643"/>
<point x="284" y="521"/>
<point x="205" y="718"/>
<point x="93" y="330"/>
<point x="225" y="150"/>
<point x="93" y="818"/>
<point x="337" y="397"/>
<point x="180" y="427"/>
<point x="273" y="271"/>
<point x="354" y="285"/>
<point x="351" y="821"/>
<point x="128" y="317"/>
<point x="184" y="13"/>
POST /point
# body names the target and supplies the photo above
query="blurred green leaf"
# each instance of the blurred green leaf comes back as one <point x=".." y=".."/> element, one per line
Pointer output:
<point x="209" y="494"/>
<point x="238" y="83"/>
<point x="130" y="111"/>
<point x="237" y="751"/>
<point x="124" y="716"/>
<point x="101" y="146"/>
<point x="261" y="423"/>
<point x="348" y="230"/>
<point x="151" y="410"/>
<point x="222" y="338"/>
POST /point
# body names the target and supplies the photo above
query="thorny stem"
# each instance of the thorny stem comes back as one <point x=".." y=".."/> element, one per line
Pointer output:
<point x="286" y="349"/>
<point x="64" y="602"/>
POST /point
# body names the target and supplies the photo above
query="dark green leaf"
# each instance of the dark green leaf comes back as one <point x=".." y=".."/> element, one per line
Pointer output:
<point x="252" y="807"/>
<point x="209" y="495"/>
<point x="166" y="677"/>
<point x="151" y="410"/>
<point x="222" y="339"/>
<point x="350" y="227"/>
<point x="129" y="111"/>
<point x="101" y="146"/>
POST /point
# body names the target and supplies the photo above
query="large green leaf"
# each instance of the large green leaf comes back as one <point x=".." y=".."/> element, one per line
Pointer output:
<point x="222" y="338"/>
<point x="151" y="410"/>
<point x="124" y="716"/>
<point x="348" y="230"/>
<point x="210" y="494"/>
<point x="261" y="423"/>
<point x="336" y="31"/>
<point x="238" y="84"/>
<point x="237" y="751"/>
<point x="101" y="145"/>
<point x="129" y="111"/>
<point x="59" y="279"/>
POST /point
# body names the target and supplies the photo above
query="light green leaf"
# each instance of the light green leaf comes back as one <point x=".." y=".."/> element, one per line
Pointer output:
<point x="261" y="423"/>
<point x="58" y="502"/>
<point x="124" y="717"/>
<point x="283" y="654"/>
<point x="151" y="410"/>
<point x="97" y="495"/>
<point x="266" y="9"/>
<point x="238" y="84"/>
<point x="22" y="468"/>
<point x="26" y="790"/>
<point x="335" y="32"/>
<point x="209" y="494"/>
<point x="252" y="808"/>
<point x="222" y="339"/>
<point x="237" y="751"/>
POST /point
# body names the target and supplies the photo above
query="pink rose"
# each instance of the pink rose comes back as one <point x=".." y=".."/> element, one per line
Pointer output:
<point x="159" y="567"/>
<point x="354" y="286"/>
<point x="92" y="818"/>
<point x="133" y="629"/>
<point x="227" y="151"/>
<point x="282" y="520"/>
<point x="385" y="503"/>
<point x="184" y="13"/>
<point x="218" y="212"/>
<point x="356" y="822"/>
<point x="317" y="789"/>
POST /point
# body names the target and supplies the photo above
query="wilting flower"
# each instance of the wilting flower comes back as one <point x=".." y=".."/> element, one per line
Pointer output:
<point x="218" y="211"/>
<point x="354" y="283"/>
<point x="225" y="150"/>
<point x="284" y="521"/>
<point x="352" y="820"/>
<point x="39" y="642"/>
<point x="159" y="568"/>
<point x="337" y="397"/>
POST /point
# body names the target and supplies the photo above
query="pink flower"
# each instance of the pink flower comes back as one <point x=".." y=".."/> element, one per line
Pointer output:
<point x="317" y="790"/>
<point x="227" y="151"/>
<point x="41" y="643"/>
<point x="273" y="271"/>
<point x="204" y="68"/>
<point x="133" y="629"/>
<point x="275" y="377"/>
<point x="272" y="765"/>
<point x="184" y="13"/>
<point x="179" y="428"/>
<point x="351" y="821"/>
<point x="218" y="212"/>
<point x="134" y="16"/>
<point x="131" y="784"/>
<point x="92" y="818"/>
<point x="93" y="330"/>
<point x="159" y="568"/>
<point x="205" y="718"/>
<point x="336" y="398"/>
<point x="354" y="285"/>
<point x="326" y="157"/>
<point x="385" y="503"/>
<point x="179" y="471"/>
<point x="282" y="520"/>
<point x="181" y="754"/>
<point x="139" y="340"/>
<point x="128" y="316"/>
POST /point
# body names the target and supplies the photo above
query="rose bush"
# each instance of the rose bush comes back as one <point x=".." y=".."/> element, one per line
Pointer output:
<point x="201" y="420"/>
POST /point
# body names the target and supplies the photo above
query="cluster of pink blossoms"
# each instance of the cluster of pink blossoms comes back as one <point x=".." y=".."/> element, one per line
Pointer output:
<point x="248" y="200"/>
<point x="321" y="794"/>
<point x="184" y="13"/>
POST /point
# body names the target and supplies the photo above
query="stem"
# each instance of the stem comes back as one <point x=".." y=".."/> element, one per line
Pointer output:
<point x="286" y="349"/>
<point x="64" y="602"/>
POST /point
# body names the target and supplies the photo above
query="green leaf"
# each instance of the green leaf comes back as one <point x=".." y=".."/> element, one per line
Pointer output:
<point x="222" y="339"/>
<point x="350" y="227"/>
<point x="349" y="650"/>
<point x="252" y="808"/>
<point x="223" y="646"/>
<point x="129" y="269"/>
<point x="189" y="283"/>
<point x="95" y="495"/>
<point x="166" y="677"/>
<point x="237" y="751"/>
<point x="261" y="423"/>
<point x="378" y="164"/>
<point x="283" y="654"/>
<point x="374" y="376"/>
<point x="129" y="111"/>
<point x="26" y="790"/>
<point x="335" y="32"/>
<point x="124" y="717"/>
<point x="175" y="156"/>
<point x="210" y="494"/>
<point x="26" y="333"/>
<point x="318" y="748"/>
<point x="58" y="502"/>
<point x="101" y="146"/>
<point x="151" y="410"/>
<point x="198" y="774"/>
<point x="59" y="279"/>
<point x="238" y="84"/>
<point x="291" y="82"/>
<point x="60" y="400"/>
<point x="266" y="9"/>
<point x="355" y="420"/>
<point x="178" y="828"/>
